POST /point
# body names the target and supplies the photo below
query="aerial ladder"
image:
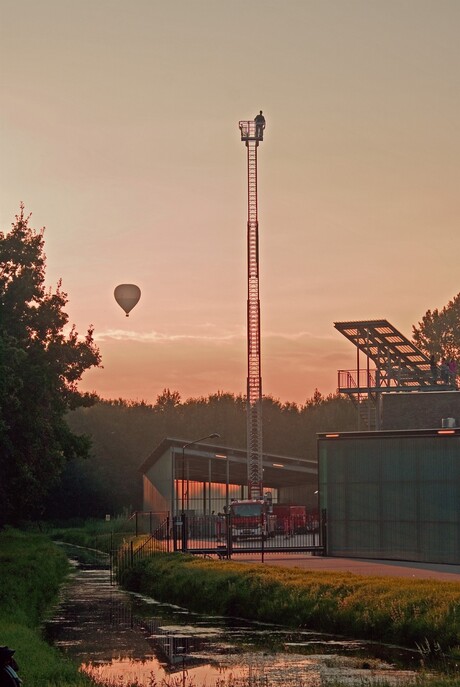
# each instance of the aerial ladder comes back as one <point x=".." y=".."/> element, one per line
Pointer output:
<point x="252" y="134"/>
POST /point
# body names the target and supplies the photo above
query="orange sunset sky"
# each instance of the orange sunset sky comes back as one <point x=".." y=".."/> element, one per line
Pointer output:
<point x="119" y="132"/>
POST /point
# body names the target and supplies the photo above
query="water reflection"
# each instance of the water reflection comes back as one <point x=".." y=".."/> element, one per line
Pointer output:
<point x="124" y="640"/>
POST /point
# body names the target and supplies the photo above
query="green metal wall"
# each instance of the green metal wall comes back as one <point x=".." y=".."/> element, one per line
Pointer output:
<point x="392" y="497"/>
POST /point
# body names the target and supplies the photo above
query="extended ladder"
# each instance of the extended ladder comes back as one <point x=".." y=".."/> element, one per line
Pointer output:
<point x="252" y="135"/>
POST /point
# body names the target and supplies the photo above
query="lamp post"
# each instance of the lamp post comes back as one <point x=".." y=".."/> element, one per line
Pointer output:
<point x="183" y="516"/>
<point x="190" y="443"/>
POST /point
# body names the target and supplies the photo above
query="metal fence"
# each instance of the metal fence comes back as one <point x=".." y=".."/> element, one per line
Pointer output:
<point x="157" y="541"/>
<point x="225" y="536"/>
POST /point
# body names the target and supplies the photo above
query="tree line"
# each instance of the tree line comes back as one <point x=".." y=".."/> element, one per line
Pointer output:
<point x="124" y="433"/>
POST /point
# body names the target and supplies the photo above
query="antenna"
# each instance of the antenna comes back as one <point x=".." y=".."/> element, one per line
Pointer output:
<point x="252" y="133"/>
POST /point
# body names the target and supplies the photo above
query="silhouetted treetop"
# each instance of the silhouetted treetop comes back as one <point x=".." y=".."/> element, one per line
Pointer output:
<point x="438" y="332"/>
<point x="40" y="367"/>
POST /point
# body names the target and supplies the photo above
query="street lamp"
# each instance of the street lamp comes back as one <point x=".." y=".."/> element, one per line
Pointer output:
<point x="190" y="443"/>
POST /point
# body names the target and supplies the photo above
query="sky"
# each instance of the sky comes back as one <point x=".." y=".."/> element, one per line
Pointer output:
<point x="119" y="132"/>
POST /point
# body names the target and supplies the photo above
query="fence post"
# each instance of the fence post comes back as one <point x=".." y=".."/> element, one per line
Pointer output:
<point x="174" y="532"/>
<point x="262" y="533"/>
<point x="168" y="534"/>
<point x="228" y="522"/>
<point x="111" y="558"/>
<point x="184" y="533"/>
<point x="324" y="531"/>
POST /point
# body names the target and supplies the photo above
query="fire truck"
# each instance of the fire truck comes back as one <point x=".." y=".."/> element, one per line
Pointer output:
<point x="251" y="519"/>
<point x="290" y="519"/>
<point x="254" y="519"/>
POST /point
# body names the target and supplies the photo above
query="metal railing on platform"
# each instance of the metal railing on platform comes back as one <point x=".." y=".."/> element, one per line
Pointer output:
<point x="356" y="379"/>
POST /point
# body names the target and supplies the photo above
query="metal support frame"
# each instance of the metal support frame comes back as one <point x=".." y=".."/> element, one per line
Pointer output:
<point x="251" y="135"/>
<point x="399" y="366"/>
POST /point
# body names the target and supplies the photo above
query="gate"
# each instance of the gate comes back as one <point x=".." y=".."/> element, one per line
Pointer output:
<point x="226" y="536"/>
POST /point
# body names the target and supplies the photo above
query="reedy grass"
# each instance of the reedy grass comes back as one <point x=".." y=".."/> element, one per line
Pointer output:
<point x="97" y="534"/>
<point x="392" y="610"/>
<point x="284" y="596"/>
<point x="32" y="570"/>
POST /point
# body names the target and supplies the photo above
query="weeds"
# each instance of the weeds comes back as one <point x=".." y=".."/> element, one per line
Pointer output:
<point x="98" y="534"/>
<point x="421" y="613"/>
<point x="32" y="570"/>
<point x="398" y="611"/>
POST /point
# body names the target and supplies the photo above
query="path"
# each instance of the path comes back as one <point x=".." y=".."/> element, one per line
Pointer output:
<point x="360" y="566"/>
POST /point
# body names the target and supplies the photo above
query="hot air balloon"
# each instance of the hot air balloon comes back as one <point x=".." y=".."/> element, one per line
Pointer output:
<point x="127" y="295"/>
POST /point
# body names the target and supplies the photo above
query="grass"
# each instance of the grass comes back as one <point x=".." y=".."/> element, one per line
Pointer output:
<point x="392" y="610"/>
<point x="32" y="570"/>
<point x="410" y="612"/>
<point x="97" y="534"/>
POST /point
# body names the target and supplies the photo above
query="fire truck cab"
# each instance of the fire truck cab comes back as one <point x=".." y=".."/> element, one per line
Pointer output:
<point x="251" y="519"/>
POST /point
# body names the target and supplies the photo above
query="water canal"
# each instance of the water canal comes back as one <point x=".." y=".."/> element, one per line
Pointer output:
<point x="123" y="639"/>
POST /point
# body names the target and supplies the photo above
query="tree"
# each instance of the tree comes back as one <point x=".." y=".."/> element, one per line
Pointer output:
<point x="124" y="433"/>
<point x="439" y="331"/>
<point x="40" y="367"/>
<point x="167" y="400"/>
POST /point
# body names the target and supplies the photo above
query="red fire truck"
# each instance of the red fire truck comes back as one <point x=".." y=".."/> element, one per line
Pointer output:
<point x="290" y="519"/>
<point x="251" y="519"/>
<point x="254" y="519"/>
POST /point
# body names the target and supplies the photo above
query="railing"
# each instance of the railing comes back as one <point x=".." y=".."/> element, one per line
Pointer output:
<point x="357" y="379"/>
<point x="226" y="535"/>
<point x="148" y="522"/>
<point x="159" y="541"/>
<point x="251" y="131"/>
<point x="397" y="377"/>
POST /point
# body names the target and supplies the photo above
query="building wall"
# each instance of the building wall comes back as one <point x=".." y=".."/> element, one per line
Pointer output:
<point x="198" y="485"/>
<point x="303" y="494"/>
<point x="419" y="410"/>
<point x="157" y="485"/>
<point x="394" y="497"/>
